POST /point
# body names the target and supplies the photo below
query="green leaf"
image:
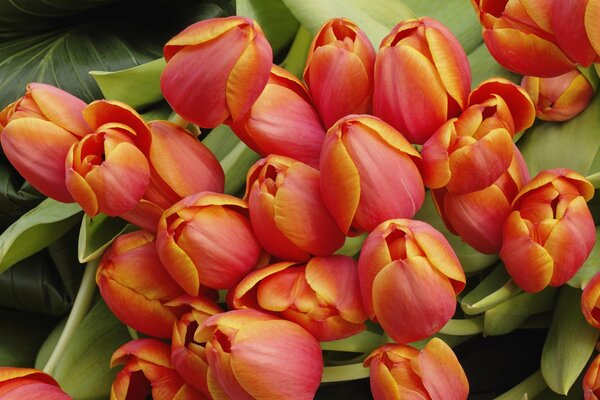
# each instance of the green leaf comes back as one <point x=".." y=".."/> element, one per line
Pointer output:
<point x="36" y="230"/>
<point x="97" y="233"/>
<point x="376" y="18"/>
<point x="137" y="86"/>
<point x="569" y="344"/>
<point x="590" y="267"/>
<point x="484" y="66"/>
<point x="17" y="196"/>
<point x="494" y="289"/>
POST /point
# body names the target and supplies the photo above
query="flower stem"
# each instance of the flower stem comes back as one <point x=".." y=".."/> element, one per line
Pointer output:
<point x="463" y="327"/>
<point x="344" y="373"/>
<point x="528" y="389"/>
<point x="362" y="342"/>
<point x="80" y="308"/>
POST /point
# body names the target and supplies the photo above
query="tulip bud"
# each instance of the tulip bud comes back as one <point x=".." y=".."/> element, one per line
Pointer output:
<point x="559" y="98"/>
<point x="570" y="20"/>
<point x="239" y="57"/>
<point x="38" y="130"/>
<point x="592" y="15"/>
<point x="550" y="232"/>
<point x="256" y="355"/>
<point x="321" y="296"/>
<point x="591" y="381"/>
<point x="590" y="301"/>
<point x="339" y="70"/>
<point x="407" y="268"/>
<point x="207" y="239"/>
<point x="29" y="383"/>
<point x="369" y="173"/>
<point x="478" y="217"/>
<point x="287" y="212"/>
<point x="403" y="372"/>
<point x="283" y="121"/>
<point x="520" y="40"/>
<point x="422" y="78"/>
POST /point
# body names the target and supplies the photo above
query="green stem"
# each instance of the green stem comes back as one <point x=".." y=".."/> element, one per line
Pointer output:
<point x="352" y="245"/>
<point x="296" y="57"/>
<point x="344" y="373"/>
<point x="463" y="327"/>
<point x="591" y="74"/>
<point x="80" y="308"/>
<point x="528" y="389"/>
<point x="177" y="119"/>
<point x="133" y="333"/>
<point x="594" y="179"/>
<point x="362" y="342"/>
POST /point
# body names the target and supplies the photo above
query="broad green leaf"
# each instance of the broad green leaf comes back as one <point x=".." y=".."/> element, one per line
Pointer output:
<point x="376" y="18"/>
<point x="510" y="314"/>
<point x="137" y="86"/>
<point x="573" y="144"/>
<point x="569" y="344"/>
<point x="295" y="60"/>
<point x="36" y="230"/>
<point x="97" y="233"/>
<point x="589" y="268"/>
<point x="160" y="110"/>
<point x="17" y="196"/>
<point x="484" y="66"/>
<point x="527" y="389"/>
<point x="221" y="141"/>
<point x="494" y="289"/>
<point x="46" y="348"/>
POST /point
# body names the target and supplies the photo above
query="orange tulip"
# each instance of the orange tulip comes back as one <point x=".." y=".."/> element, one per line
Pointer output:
<point x="37" y="132"/>
<point x="369" y="174"/>
<point x="570" y="20"/>
<point x="550" y="232"/>
<point x="590" y="301"/>
<point x="207" y="239"/>
<point x="322" y="295"/>
<point x="591" y="380"/>
<point x="283" y="121"/>
<point x="28" y="383"/>
<point x="407" y="268"/>
<point x="216" y="69"/>
<point x="287" y="212"/>
<point x="422" y="78"/>
<point x="253" y="355"/>
<point x="559" y="98"/>
<point x="592" y="29"/>
<point x="403" y="372"/>
<point x="339" y="70"/>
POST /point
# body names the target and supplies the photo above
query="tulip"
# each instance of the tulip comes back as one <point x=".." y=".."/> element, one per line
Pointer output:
<point x="148" y="371"/>
<point x="339" y="70"/>
<point x="570" y="20"/>
<point x="287" y="212"/>
<point x="369" y="174"/>
<point x="283" y="121"/>
<point x="591" y="380"/>
<point x="402" y="372"/>
<point x="592" y="29"/>
<point x="322" y="296"/>
<point x="180" y="165"/>
<point x="28" y="383"/>
<point x="422" y="78"/>
<point x="216" y="69"/>
<point x="253" y="355"/>
<point x="550" y="232"/>
<point x="559" y="98"/>
<point x="590" y="301"/>
<point x="478" y="217"/>
<point x="520" y="39"/>
<point x="207" y="239"/>
<point x="407" y="268"/>
<point x="38" y="130"/>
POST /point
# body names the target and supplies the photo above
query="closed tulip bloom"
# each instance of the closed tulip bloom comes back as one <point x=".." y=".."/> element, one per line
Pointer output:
<point x="591" y="380"/>
<point x="240" y="59"/>
<point x="369" y="174"/>
<point x="592" y="29"/>
<point x="570" y="20"/>
<point x="38" y="130"/>
<point x="409" y="277"/>
<point x="148" y="371"/>
<point x="207" y="239"/>
<point x="590" y="301"/>
<point x="550" y="232"/>
<point x="402" y="372"/>
<point x="29" y="383"/>
<point x="253" y="355"/>
<point x="519" y="36"/>
<point x="478" y="217"/>
<point x="422" y="78"/>
<point x="283" y="121"/>
<point x="287" y="212"/>
<point x="339" y="70"/>
<point x="322" y="295"/>
<point x="559" y="98"/>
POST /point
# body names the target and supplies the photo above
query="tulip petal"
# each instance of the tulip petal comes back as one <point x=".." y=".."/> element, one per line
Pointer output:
<point x="568" y="23"/>
<point x="82" y="192"/>
<point x="177" y="262"/>
<point x="442" y="375"/>
<point x="221" y="370"/>
<point x="101" y="112"/>
<point x="60" y="107"/>
<point x="592" y="24"/>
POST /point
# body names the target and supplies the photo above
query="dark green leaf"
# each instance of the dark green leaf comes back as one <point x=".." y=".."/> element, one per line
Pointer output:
<point x="590" y="268"/>
<point x="16" y="195"/>
<point x="97" y="233"/>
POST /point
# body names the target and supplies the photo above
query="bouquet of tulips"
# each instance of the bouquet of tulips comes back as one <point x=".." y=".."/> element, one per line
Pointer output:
<point x="311" y="199"/>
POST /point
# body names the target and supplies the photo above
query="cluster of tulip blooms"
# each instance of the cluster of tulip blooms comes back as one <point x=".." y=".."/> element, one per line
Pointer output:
<point x="339" y="160"/>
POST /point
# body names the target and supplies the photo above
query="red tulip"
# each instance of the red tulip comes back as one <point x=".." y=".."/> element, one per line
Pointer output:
<point x="369" y="174"/>
<point x="339" y="70"/>
<point x="322" y="296"/>
<point x="253" y="355"/>
<point x="216" y="69"/>
<point x="422" y="78"/>
<point x="403" y="372"/>
<point x="559" y="98"/>
<point x="570" y="21"/>
<point x="283" y="121"/>
<point x="590" y="301"/>
<point x="408" y="268"/>
<point x="28" y="383"/>
<point x="591" y="380"/>
<point x="207" y="239"/>
<point x="550" y="231"/>
<point x="287" y="212"/>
